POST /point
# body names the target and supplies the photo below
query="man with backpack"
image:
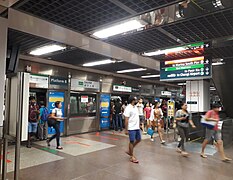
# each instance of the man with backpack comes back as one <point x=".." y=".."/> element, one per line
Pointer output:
<point x="43" y="122"/>
<point x="32" y="119"/>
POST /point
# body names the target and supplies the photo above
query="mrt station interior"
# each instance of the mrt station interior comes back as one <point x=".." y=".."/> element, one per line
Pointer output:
<point x="116" y="89"/>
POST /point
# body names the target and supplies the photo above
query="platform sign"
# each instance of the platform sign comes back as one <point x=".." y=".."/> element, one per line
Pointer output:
<point x="105" y="110"/>
<point x="53" y="97"/>
<point x="188" y="68"/>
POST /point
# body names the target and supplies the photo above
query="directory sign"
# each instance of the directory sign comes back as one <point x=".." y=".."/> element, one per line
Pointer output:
<point x="189" y="68"/>
<point x="105" y="110"/>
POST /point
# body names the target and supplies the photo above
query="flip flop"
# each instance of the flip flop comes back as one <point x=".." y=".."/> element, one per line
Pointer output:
<point x="227" y="160"/>
<point x="203" y="155"/>
<point x="133" y="160"/>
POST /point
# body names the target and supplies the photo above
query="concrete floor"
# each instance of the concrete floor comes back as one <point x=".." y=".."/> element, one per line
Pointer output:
<point x="102" y="156"/>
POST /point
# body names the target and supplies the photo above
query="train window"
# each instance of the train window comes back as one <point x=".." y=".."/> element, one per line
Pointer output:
<point x="81" y="104"/>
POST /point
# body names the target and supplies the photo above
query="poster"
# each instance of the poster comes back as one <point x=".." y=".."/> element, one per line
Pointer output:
<point x="171" y="108"/>
<point x="53" y="97"/>
<point x="105" y="110"/>
<point x="84" y="99"/>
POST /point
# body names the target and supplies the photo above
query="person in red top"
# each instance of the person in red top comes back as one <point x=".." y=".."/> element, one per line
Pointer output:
<point x="147" y="112"/>
<point x="215" y="133"/>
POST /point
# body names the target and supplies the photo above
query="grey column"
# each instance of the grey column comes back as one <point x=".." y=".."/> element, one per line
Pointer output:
<point x="3" y="50"/>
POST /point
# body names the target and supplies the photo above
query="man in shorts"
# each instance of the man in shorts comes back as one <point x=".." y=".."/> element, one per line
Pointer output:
<point x="132" y="127"/>
<point x="214" y="134"/>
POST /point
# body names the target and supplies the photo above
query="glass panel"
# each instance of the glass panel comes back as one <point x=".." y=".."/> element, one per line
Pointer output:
<point x="73" y="104"/>
<point x="87" y="104"/>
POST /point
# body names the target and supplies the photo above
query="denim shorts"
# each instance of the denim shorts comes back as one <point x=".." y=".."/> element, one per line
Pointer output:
<point x="213" y="135"/>
<point x="134" y="135"/>
<point x="32" y="127"/>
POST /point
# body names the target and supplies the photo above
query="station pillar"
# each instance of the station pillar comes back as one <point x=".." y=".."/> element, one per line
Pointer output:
<point x="198" y="95"/>
<point x="3" y="51"/>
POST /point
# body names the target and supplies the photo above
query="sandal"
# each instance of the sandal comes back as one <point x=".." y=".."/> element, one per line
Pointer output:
<point x="203" y="155"/>
<point x="134" y="160"/>
<point x="59" y="147"/>
<point x="226" y="160"/>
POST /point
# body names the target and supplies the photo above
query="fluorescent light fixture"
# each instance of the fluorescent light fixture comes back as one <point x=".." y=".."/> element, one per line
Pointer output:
<point x="150" y="76"/>
<point x="118" y="29"/>
<point x="181" y="84"/>
<point x="131" y="70"/>
<point x="165" y="51"/>
<point x="97" y="63"/>
<point x="47" y="49"/>
<point x="217" y="63"/>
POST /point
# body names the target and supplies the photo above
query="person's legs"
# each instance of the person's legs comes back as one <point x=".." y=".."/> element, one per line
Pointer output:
<point x="57" y="129"/>
<point x="160" y="134"/>
<point x="182" y="135"/>
<point x="114" y="121"/>
<point x="208" y="136"/>
<point x="120" y="122"/>
<point x="29" y="135"/>
<point x="45" y="130"/>
<point x="135" y="138"/>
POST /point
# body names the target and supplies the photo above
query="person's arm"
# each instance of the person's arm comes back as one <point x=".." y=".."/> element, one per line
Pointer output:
<point x="191" y="121"/>
<point x="126" y="125"/>
<point x="41" y="111"/>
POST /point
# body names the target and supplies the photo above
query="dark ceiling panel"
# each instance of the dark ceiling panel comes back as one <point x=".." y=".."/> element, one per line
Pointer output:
<point x="141" y="6"/>
<point x="25" y="41"/>
<point x="222" y="52"/>
<point x="143" y="41"/>
<point x="77" y="57"/>
<point x="79" y="15"/>
<point x="211" y="26"/>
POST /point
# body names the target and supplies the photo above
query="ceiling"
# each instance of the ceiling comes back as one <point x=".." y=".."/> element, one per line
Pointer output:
<point x="85" y="16"/>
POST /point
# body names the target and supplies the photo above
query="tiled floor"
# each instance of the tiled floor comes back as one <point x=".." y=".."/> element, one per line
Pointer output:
<point x="102" y="156"/>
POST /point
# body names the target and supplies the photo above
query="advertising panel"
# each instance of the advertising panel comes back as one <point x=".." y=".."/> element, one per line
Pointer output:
<point x="105" y="110"/>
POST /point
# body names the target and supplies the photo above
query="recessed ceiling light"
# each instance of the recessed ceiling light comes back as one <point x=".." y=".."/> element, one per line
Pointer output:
<point x="47" y="49"/>
<point x="181" y="84"/>
<point x="118" y="29"/>
<point x="97" y="63"/>
<point x="217" y="63"/>
<point x="131" y="70"/>
<point x="150" y="76"/>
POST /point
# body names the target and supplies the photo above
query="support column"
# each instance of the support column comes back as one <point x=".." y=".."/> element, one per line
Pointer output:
<point x="198" y="95"/>
<point x="3" y="50"/>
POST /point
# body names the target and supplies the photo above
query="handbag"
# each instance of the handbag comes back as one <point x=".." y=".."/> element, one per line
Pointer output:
<point x="207" y="124"/>
<point x="150" y="131"/>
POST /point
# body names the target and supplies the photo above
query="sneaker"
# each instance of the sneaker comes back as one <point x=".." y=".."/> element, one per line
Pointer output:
<point x="178" y="150"/>
<point x="163" y="142"/>
<point x="144" y="133"/>
<point x="152" y="140"/>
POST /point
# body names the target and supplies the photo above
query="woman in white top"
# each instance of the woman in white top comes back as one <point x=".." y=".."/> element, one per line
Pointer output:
<point x="57" y="117"/>
<point x="156" y="121"/>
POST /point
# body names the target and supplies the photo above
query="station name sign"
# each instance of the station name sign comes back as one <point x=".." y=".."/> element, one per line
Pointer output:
<point x="189" y="68"/>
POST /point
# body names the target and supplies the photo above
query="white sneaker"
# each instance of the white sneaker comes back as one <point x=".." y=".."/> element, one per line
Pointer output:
<point x="152" y="140"/>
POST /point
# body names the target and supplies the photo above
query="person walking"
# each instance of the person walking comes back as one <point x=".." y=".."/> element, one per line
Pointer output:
<point x="140" y="107"/>
<point x="132" y="127"/>
<point x="43" y="122"/>
<point x="215" y="133"/>
<point x="54" y="121"/>
<point x="183" y="118"/>
<point x="158" y="122"/>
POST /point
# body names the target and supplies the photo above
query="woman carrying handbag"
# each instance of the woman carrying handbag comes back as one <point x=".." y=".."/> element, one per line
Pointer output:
<point x="54" y="121"/>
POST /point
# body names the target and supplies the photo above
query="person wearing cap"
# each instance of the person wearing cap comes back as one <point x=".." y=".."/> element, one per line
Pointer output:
<point x="215" y="133"/>
<point x="132" y="127"/>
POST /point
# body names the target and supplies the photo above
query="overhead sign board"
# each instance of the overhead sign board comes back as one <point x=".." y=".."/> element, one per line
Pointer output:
<point x="120" y="88"/>
<point x="76" y="83"/>
<point x="60" y="81"/>
<point x="189" y="68"/>
<point x="166" y="93"/>
<point x="39" y="81"/>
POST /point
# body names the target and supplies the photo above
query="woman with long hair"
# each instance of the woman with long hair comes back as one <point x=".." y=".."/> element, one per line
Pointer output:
<point x="183" y="119"/>
<point x="56" y="117"/>
<point x="157" y="121"/>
